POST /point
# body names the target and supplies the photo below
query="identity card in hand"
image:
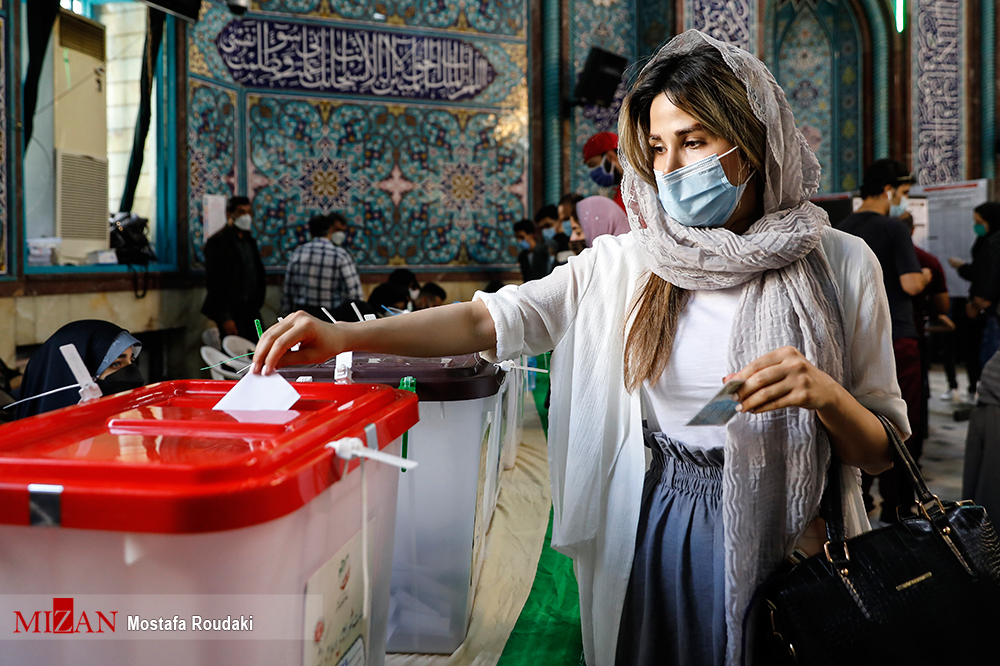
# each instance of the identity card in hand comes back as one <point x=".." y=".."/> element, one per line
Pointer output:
<point x="719" y="409"/>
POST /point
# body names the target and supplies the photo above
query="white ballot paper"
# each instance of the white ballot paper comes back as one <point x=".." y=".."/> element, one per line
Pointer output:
<point x="259" y="392"/>
<point x="719" y="409"/>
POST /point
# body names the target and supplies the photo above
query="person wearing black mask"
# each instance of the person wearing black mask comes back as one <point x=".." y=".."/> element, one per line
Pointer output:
<point x="108" y="351"/>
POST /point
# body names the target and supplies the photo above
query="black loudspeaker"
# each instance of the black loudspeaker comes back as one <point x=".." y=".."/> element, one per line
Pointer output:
<point x="600" y="78"/>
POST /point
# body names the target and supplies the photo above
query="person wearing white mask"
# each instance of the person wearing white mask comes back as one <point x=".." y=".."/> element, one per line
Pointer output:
<point x="321" y="273"/>
<point x="234" y="273"/>
<point x="728" y="273"/>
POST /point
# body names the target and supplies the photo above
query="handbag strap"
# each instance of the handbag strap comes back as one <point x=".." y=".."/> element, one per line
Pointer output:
<point x="832" y="506"/>
<point x="902" y="455"/>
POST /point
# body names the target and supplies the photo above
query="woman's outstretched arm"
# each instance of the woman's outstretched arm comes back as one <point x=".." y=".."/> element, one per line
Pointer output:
<point x="461" y="328"/>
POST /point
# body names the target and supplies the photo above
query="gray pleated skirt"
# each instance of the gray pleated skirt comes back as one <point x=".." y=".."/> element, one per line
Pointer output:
<point x="674" y="612"/>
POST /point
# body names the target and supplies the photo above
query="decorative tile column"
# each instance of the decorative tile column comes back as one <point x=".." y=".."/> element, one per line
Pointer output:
<point x="6" y="149"/>
<point x="938" y="83"/>
<point x="733" y="21"/>
<point x="987" y="46"/>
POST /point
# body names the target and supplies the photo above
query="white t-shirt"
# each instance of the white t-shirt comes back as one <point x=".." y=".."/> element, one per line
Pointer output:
<point x="695" y="371"/>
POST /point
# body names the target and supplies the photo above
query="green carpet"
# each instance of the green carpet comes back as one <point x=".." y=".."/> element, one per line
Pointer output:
<point x="548" y="630"/>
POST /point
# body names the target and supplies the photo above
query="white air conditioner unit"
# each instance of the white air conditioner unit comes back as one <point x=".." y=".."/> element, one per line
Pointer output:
<point x="80" y="136"/>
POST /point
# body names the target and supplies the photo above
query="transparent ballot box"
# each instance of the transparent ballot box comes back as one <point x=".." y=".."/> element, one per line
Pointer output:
<point x="445" y="507"/>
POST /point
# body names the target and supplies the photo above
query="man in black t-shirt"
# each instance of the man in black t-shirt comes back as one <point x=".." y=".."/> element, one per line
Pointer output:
<point x="884" y="190"/>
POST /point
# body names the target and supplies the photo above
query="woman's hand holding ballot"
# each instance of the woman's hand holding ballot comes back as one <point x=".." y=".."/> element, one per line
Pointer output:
<point x="460" y="328"/>
<point x="785" y="378"/>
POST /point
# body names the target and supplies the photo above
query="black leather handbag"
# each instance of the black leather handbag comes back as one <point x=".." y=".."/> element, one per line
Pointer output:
<point x="925" y="590"/>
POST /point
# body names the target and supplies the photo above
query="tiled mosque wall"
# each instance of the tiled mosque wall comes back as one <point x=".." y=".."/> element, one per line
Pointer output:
<point x="409" y="117"/>
<point x="815" y="54"/>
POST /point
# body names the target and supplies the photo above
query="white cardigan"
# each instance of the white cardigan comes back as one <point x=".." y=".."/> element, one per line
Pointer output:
<point x="596" y="459"/>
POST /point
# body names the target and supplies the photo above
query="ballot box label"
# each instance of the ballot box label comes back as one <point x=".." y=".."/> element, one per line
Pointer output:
<point x="335" y="626"/>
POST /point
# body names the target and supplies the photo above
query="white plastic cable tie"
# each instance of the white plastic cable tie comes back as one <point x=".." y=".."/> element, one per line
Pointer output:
<point x="509" y="365"/>
<point x="41" y="395"/>
<point x="88" y="389"/>
<point x="342" y="369"/>
<point x="365" y="554"/>
<point x="354" y="306"/>
<point x="354" y="447"/>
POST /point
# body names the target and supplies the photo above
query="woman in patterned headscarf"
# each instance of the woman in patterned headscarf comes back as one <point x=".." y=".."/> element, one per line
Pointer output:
<point x="728" y="275"/>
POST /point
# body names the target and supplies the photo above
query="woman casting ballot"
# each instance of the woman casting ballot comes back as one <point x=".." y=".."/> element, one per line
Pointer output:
<point x="729" y="273"/>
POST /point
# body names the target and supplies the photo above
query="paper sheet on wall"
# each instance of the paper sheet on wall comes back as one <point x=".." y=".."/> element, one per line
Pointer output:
<point x="259" y="392"/>
<point x="949" y="224"/>
<point x="918" y="209"/>
<point x="213" y="213"/>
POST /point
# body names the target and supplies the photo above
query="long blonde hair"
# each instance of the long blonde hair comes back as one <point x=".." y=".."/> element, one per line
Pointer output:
<point x="703" y="86"/>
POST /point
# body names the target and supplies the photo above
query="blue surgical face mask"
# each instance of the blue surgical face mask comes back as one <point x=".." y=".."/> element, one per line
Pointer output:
<point x="568" y="228"/>
<point x="980" y="229"/>
<point x="896" y="210"/>
<point x="700" y="194"/>
<point x="604" y="173"/>
<point x="523" y="245"/>
<point x="548" y="233"/>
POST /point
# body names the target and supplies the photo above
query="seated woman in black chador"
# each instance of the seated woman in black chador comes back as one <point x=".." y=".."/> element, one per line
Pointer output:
<point x="108" y="351"/>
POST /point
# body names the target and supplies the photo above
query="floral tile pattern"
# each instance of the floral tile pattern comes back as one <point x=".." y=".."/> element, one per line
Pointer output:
<point x="430" y="186"/>
<point x="818" y="66"/>
<point x="806" y="77"/>
<point x="654" y="25"/>
<point x="422" y="183"/>
<point x="211" y="155"/>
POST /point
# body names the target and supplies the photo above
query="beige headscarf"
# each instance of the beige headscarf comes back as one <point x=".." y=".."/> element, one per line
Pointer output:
<point x="775" y="463"/>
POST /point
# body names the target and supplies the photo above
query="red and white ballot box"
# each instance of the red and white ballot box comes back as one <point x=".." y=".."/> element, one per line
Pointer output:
<point x="445" y="507"/>
<point x="147" y="528"/>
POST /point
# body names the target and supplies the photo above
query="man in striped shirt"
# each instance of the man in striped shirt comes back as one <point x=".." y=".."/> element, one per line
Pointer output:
<point x="321" y="273"/>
